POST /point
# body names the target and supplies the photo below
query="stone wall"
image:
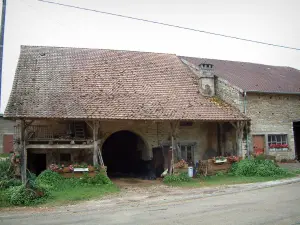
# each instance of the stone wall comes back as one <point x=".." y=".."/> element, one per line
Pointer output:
<point x="229" y="93"/>
<point x="274" y="114"/>
<point x="269" y="114"/>
<point x="6" y="127"/>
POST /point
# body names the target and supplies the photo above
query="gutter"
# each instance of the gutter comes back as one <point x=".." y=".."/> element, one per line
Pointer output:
<point x="273" y="92"/>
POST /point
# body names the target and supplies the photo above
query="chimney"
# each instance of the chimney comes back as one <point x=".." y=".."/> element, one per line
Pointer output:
<point x="207" y="79"/>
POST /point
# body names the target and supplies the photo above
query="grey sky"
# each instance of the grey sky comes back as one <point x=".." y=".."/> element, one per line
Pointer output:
<point x="30" y="22"/>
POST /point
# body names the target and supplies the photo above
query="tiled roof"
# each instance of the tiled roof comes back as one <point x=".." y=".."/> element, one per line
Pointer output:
<point x="254" y="77"/>
<point x="54" y="82"/>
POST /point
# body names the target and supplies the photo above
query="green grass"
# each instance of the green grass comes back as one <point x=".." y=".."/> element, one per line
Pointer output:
<point x="4" y="155"/>
<point x="72" y="195"/>
<point x="225" y="180"/>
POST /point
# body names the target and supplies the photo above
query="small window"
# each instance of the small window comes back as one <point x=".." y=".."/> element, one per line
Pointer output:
<point x="187" y="153"/>
<point x="278" y="142"/>
<point x="65" y="157"/>
<point x="186" y="123"/>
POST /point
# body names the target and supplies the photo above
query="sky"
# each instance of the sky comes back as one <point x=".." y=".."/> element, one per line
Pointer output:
<point x="31" y="22"/>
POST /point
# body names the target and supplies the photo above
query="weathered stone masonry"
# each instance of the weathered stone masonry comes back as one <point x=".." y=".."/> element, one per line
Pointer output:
<point x="269" y="113"/>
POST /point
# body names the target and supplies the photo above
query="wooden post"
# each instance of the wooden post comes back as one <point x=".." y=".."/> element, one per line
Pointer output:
<point x="95" y="139"/>
<point x="23" y="153"/>
<point x="239" y="135"/>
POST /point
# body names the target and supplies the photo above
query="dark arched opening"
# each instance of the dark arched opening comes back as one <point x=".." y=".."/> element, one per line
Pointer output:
<point x="122" y="154"/>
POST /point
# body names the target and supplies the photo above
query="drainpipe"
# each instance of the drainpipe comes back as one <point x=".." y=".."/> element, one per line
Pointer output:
<point x="247" y="136"/>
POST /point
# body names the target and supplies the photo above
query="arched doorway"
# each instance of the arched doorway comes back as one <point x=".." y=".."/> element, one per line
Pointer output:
<point x="123" y="153"/>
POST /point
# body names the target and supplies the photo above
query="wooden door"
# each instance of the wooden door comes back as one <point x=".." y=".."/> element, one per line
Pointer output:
<point x="258" y="144"/>
<point x="8" y="143"/>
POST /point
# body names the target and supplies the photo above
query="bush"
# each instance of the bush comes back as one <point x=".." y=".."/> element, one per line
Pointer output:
<point x="4" y="184"/>
<point x="23" y="195"/>
<point x="6" y="170"/>
<point x="257" y="167"/>
<point x="183" y="177"/>
<point x="49" y="179"/>
<point x="264" y="157"/>
<point x="98" y="179"/>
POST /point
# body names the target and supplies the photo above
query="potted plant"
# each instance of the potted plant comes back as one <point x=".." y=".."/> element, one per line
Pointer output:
<point x="91" y="168"/>
<point x="232" y="159"/>
<point x="80" y="168"/>
<point x="220" y="159"/>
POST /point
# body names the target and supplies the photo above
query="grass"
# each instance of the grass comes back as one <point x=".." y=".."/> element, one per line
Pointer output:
<point x="225" y="180"/>
<point x="70" y="195"/>
<point x="4" y="155"/>
<point x="75" y="194"/>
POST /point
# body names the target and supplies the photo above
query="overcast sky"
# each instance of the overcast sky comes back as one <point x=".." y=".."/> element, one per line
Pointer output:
<point x="30" y="22"/>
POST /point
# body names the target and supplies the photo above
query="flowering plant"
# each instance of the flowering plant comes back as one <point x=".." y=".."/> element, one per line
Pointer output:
<point x="71" y="167"/>
<point x="233" y="158"/>
<point x="53" y="167"/>
<point x="279" y="146"/>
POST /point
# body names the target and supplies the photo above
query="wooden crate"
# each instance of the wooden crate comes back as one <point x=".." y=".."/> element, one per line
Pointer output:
<point x="208" y="167"/>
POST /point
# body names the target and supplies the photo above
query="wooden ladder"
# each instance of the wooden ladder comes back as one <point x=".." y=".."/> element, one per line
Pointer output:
<point x="79" y="129"/>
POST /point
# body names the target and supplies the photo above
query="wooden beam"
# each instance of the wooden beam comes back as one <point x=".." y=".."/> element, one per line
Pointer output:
<point x="23" y="152"/>
<point x="89" y="124"/>
<point x="95" y="139"/>
<point x="239" y="135"/>
<point x="58" y="146"/>
<point x="28" y="124"/>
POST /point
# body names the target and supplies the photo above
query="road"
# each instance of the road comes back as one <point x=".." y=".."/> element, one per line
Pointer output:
<point x="273" y="205"/>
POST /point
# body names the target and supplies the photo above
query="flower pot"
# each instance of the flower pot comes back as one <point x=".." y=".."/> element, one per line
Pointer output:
<point x="66" y="170"/>
<point x="81" y="169"/>
<point x="91" y="168"/>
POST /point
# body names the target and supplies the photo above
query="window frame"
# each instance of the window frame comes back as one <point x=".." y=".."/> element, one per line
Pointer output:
<point x="184" y="153"/>
<point x="277" y="139"/>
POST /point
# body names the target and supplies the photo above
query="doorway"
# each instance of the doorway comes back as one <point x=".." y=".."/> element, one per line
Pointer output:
<point x="123" y="153"/>
<point x="36" y="163"/>
<point x="296" y="127"/>
<point x="258" y="144"/>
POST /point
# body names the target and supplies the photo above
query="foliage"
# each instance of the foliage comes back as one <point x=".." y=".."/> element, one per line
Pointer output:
<point x="219" y="174"/>
<point x="257" y="167"/>
<point x="49" y="179"/>
<point x="6" y="170"/>
<point x="98" y="179"/>
<point x="26" y="195"/>
<point x="264" y="157"/>
<point x="182" y="177"/>
<point x="4" y="184"/>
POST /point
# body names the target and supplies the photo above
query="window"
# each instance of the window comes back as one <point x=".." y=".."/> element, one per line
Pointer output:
<point x="277" y="142"/>
<point x="187" y="153"/>
<point x="65" y="157"/>
<point x="186" y="123"/>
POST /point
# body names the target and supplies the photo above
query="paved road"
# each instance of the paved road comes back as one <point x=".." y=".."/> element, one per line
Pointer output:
<point x="273" y="205"/>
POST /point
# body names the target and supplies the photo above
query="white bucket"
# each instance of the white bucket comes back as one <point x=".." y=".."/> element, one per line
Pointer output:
<point x="190" y="171"/>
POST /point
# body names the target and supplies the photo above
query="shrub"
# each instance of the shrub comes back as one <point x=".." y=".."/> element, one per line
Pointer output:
<point x="23" y="195"/>
<point x="264" y="157"/>
<point x="50" y="179"/>
<point x="6" y="170"/>
<point x="4" y="184"/>
<point x="257" y="167"/>
<point x="183" y="177"/>
<point x="98" y="179"/>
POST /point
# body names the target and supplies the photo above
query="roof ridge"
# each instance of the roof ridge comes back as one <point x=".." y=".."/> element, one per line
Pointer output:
<point x="117" y="50"/>
<point x="225" y="60"/>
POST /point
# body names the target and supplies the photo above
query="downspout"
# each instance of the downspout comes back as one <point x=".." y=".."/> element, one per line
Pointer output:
<point x="247" y="136"/>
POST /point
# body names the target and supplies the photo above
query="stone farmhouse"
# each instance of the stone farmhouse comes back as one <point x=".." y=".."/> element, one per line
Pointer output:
<point x="125" y="108"/>
<point x="268" y="95"/>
